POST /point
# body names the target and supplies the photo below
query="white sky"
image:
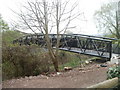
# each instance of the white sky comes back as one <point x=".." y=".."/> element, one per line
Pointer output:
<point x="88" y="6"/>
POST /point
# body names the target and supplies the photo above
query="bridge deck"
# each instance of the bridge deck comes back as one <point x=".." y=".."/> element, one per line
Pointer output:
<point x="87" y="52"/>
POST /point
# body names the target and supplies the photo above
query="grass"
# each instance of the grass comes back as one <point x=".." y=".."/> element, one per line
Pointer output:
<point x="70" y="60"/>
<point x="73" y="64"/>
<point x="75" y="60"/>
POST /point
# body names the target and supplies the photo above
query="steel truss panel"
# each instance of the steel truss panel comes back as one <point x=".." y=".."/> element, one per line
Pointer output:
<point x="78" y="43"/>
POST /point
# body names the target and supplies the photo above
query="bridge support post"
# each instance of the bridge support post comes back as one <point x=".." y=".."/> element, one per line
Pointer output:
<point x="110" y="50"/>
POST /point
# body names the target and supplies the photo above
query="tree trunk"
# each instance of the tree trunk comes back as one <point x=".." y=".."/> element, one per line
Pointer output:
<point x="55" y="63"/>
<point x="49" y="46"/>
<point x="53" y="56"/>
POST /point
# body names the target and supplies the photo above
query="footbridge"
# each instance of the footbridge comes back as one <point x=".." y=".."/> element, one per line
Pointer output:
<point x="77" y="43"/>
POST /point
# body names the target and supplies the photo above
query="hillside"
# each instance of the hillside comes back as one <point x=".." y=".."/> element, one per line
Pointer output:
<point x="9" y="35"/>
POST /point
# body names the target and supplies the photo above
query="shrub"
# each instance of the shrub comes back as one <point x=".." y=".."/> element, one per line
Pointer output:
<point x="113" y="72"/>
<point x="23" y="61"/>
<point x="63" y="57"/>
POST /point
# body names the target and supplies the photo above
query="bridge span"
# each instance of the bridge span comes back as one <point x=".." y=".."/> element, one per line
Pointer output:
<point x="77" y="43"/>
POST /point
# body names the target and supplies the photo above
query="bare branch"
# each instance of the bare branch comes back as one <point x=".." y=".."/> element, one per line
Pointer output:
<point x="48" y="16"/>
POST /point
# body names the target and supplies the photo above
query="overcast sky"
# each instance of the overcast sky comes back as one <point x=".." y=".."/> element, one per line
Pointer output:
<point x="86" y="6"/>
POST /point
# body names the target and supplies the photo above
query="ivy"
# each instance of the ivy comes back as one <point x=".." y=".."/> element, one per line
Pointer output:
<point x="113" y="72"/>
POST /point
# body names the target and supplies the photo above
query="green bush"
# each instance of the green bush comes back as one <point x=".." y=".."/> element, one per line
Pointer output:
<point x="113" y="72"/>
<point x="23" y="61"/>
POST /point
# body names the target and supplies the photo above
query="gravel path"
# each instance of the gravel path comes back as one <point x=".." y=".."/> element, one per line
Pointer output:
<point x="76" y="78"/>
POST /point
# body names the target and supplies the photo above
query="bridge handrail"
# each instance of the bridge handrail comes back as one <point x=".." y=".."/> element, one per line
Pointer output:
<point x="96" y="36"/>
<point x="85" y="35"/>
<point x="77" y="35"/>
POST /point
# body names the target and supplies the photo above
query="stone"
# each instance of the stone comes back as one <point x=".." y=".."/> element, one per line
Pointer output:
<point x="116" y="63"/>
<point x="118" y="57"/>
<point x="26" y="77"/>
<point x="58" y="73"/>
<point x="90" y="61"/>
<point x="86" y="62"/>
<point x="102" y="65"/>
<point x="30" y="77"/>
<point x="53" y="75"/>
<point x="98" y="66"/>
<point x="81" y="69"/>
<point x="25" y="85"/>
<point x="67" y="68"/>
<point x="44" y="77"/>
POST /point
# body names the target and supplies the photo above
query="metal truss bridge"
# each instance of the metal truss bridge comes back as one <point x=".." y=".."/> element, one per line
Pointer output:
<point x="77" y="43"/>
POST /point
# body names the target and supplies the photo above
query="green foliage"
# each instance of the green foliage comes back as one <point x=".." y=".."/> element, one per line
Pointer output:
<point x="9" y="36"/>
<point x="3" y="25"/>
<point x="106" y="19"/>
<point x="63" y="57"/>
<point x="20" y="61"/>
<point x="69" y="59"/>
<point x="113" y="72"/>
<point x="109" y="35"/>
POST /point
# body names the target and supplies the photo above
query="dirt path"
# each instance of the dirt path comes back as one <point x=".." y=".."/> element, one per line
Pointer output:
<point x="71" y="79"/>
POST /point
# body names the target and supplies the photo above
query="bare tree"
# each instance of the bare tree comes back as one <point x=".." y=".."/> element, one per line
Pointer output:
<point x="107" y="19"/>
<point x="46" y="17"/>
